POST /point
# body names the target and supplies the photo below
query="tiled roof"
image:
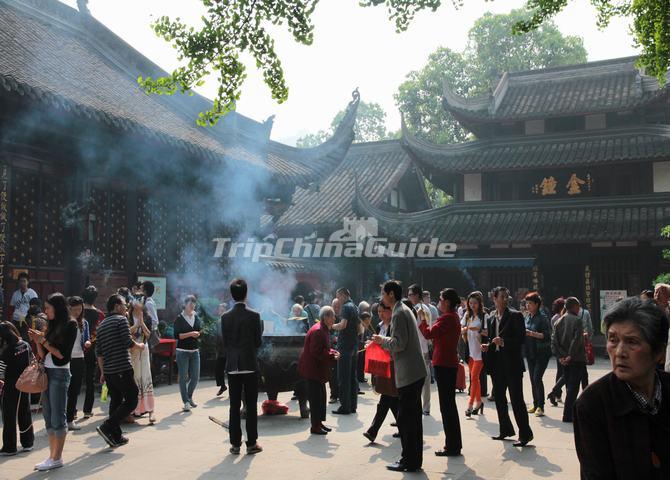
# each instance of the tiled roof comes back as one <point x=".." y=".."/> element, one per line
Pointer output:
<point x="623" y="218"/>
<point x="591" y="147"/>
<point x="52" y="54"/>
<point x="593" y="87"/>
<point x="376" y="167"/>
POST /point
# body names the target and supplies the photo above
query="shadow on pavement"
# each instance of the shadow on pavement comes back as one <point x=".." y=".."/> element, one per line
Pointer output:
<point x="87" y="465"/>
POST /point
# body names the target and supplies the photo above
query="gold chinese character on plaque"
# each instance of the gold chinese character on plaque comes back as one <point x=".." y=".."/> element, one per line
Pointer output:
<point x="546" y="187"/>
<point x="574" y="185"/>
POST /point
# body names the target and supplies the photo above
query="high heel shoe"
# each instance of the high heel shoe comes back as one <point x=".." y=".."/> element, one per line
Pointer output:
<point x="479" y="410"/>
<point x="468" y="412"/>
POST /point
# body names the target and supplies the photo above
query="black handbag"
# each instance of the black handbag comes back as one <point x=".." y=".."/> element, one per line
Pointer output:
<point x="154" y="340"/>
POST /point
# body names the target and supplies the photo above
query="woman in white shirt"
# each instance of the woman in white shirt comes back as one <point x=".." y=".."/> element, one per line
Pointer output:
<point x="474" y="329"/>
<point x="55" y="347"/>
<point x="140" y="322"/>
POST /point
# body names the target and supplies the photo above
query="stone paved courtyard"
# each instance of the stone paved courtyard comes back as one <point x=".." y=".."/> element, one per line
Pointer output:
<point x="189" y="446"/>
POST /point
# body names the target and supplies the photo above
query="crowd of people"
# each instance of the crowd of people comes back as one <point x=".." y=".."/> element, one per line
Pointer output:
<point x="503" y="343"/>
<point x="73" y="342"/>
<point x="620" y="422"/>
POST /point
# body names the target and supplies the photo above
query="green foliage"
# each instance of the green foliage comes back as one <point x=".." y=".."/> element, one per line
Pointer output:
<point x="491" y="51"/>
<point x="419" y="97"/>
<point x="370" y="126"/>
<point x="665" y="232"/>
<point x="313" y="139"/>
<point x="664" y="277"/>
<point x="231" y="28"/>
<point x="438" y="198"/>
<point x="651" y="26"/>
<point x="402" y="11"/>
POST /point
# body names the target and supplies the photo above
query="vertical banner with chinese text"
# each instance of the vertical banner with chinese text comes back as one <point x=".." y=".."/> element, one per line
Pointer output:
<point x="4" y="214"/>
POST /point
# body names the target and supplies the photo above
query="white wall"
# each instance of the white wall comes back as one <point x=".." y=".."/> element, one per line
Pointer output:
<point x="661" y="177"/>
<point x="534" y="127"/>
<point x="472" y="187"/>
<point x="596" y="121"/>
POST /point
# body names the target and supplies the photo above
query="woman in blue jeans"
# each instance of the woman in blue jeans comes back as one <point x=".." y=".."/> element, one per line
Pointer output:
<point x="55" y="348"/>
<point x="187" y="328"/>
<point x="537" y="348"/>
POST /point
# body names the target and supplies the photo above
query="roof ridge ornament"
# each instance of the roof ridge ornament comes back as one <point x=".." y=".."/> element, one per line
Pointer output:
<point x="82" y="6"/>
<point x="355" y="96"/>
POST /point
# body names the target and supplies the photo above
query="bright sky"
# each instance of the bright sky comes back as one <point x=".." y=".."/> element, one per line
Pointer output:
<point x="353" y="47"/>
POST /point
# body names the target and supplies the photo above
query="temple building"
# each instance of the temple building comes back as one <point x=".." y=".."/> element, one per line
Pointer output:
<point x="104" y="184"/>
<point x="564" y="191"/>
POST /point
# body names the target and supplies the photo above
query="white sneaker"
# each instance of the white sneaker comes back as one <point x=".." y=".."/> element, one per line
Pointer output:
<point x="187" y="407"/>
<point x="73" y="427"/>
<point x="49" y="464"/>
<point x="27" y="449"/>
<point x="192" y="403"/>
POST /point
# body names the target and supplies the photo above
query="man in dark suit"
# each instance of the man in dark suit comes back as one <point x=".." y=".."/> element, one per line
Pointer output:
<point x="507" y="331"/>
<point x="241" y="330"/>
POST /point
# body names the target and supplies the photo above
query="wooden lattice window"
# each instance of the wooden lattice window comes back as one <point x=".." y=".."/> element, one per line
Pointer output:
<point x="152" y="235"/>
<point x="109" y="208"/>
<point x="186" y="230"/>
<point x="25" y="193"/>
<point x="52" y="232"/>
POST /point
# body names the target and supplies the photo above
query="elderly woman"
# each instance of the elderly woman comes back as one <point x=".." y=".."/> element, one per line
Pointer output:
<point x="622" y="421"/>
<point x="314" y="366"/>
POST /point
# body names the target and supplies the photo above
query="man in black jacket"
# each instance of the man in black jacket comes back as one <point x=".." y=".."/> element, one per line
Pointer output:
<point x="507" y="331"/>
<point x="241" y="330"/>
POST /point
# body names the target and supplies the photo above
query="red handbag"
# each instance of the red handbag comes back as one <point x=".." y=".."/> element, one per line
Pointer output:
<point x="377" y="361"/>
<point x="590" y="356"/>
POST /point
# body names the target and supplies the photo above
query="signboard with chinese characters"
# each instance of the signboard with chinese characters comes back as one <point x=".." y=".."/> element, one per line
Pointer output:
<point x="563" y="184"/>
<point x="159" y="296"/>
<point x="4" y="213"/>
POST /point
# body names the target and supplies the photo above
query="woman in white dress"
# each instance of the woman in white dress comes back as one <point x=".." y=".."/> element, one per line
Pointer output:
<point x="140" y="358"/>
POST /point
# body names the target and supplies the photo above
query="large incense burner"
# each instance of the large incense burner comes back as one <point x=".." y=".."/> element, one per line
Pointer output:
<point x="278" y="363"/>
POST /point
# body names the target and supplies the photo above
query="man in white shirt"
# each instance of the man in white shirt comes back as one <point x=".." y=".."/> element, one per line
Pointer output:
<point x="433" y="309"/>
<point x="415" y="295"/>
<point x="21" y="299"/>
<point x="148" y="289"/>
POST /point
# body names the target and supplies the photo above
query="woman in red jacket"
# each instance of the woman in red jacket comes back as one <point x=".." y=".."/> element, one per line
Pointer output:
<point x="445" y="333"/>
<point x="314" y="366"/>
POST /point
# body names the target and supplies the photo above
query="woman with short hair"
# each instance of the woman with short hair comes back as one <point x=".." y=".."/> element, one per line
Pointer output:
<point x="314" y="366"/>
<point x="537" y="348"/>
<point x="622" y="421"/>
<point x="55" y="348"/>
